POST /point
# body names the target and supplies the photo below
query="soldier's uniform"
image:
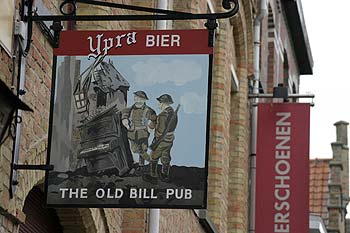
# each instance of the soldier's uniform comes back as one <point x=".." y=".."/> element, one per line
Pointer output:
<point x="164" y="133"/>
<point x="139" y="118"/>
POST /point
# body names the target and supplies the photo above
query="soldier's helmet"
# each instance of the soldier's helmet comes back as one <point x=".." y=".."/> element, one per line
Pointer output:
<point x="141" y="94"/>
<point x="165" y="98"/>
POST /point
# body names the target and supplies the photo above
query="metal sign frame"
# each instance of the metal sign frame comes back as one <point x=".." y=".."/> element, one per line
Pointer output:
<point x="159" y="14"/>
<point x="29" y="15"/>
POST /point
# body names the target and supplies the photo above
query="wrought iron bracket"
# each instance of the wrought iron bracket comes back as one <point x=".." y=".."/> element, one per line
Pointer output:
<point x="15" y="167"/>
<point x="56" y="27"/>
<point x="32" y="167"/>
<point x="281" y="92"/>
<point x="158" y="14"/>
<point x="290" y="96"/>
<point x="211" y="24"/>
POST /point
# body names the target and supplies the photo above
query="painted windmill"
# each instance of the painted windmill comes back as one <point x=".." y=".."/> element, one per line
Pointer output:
<point x="103" y="144"/>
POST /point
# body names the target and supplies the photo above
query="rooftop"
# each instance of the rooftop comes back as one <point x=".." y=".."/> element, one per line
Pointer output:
<point x="319" y="192"/>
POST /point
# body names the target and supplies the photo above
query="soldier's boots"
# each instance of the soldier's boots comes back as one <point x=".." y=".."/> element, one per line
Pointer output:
<point x="165" y="173"/>
<point x="141" y="161"/>
<point x="140" y="169"/>
<point x="152" y="176"/>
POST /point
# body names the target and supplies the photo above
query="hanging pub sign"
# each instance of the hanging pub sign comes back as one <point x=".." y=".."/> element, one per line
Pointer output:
<point x="282" y="168"/>
<point x="129" y="119"/>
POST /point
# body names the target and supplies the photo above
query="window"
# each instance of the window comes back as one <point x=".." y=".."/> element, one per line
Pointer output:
<point x="6" y="24"/>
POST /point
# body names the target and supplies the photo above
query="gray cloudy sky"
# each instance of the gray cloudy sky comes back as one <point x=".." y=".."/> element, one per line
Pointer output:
<point x="328" y="27"/>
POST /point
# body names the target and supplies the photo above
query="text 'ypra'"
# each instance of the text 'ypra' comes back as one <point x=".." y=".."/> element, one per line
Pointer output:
<point x="100" y="45"/>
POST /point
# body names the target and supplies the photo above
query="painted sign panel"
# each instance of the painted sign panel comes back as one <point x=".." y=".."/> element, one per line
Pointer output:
<point x="129" y="119"/>
<point x="282" y="168"/>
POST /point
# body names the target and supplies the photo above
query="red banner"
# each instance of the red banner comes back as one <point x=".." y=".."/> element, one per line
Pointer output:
<point x="133" y="42"/>
<point x="282" y="174"/>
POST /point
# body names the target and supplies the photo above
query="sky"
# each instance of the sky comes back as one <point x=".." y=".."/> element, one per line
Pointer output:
<point x="329" y="36"/>
<point x="187" y="86"/>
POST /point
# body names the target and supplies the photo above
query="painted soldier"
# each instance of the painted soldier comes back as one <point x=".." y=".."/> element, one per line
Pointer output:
<point x="139" y="120"/>
<point x="163" y="140"/>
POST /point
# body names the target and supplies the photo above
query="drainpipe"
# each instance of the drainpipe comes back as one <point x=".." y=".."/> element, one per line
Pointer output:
<point x="20" y="37"/>
<point x="162" y="4"/>
<point x="257" y="28"/>
<point x="153" y="226"/>
<point x="154" y="214"/>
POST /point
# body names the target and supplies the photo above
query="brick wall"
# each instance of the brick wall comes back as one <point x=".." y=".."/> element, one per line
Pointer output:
<point x="134" y="221"/>
<point x="240" y="123"/>
<point x="179" y="221"/>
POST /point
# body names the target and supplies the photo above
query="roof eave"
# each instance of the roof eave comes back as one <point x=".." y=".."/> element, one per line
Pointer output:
<point x="297" y="27"/>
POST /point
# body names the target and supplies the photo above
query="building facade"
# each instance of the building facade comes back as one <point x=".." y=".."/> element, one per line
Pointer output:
<point x="329" y="183"/>
<point x="285" y="55"/>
